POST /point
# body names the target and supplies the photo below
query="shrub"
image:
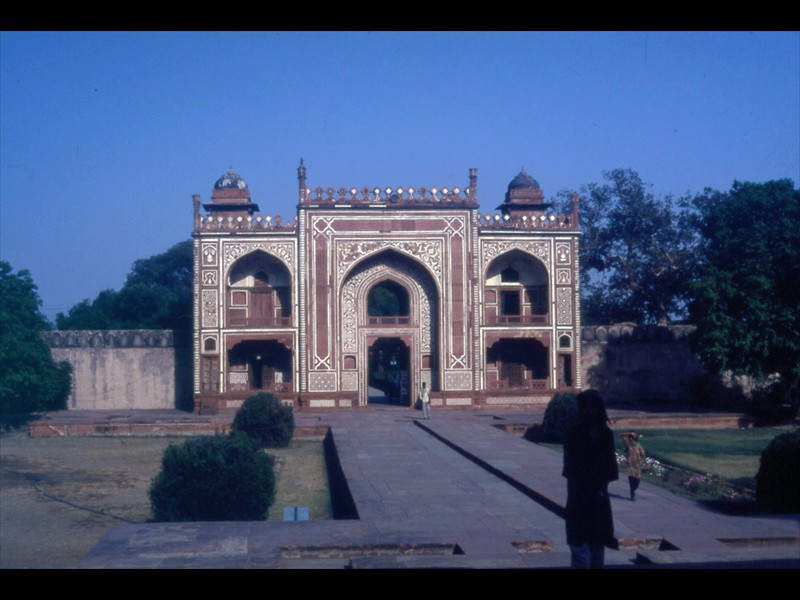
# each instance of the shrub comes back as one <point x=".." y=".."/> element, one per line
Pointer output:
<point x="266" y="420"/>
<point x="777" y="481"/>
<point x="772" y="404"/>
<point x="708" y="390"/>
<point x="218" y="478"/>
<point x="560" y="416"/>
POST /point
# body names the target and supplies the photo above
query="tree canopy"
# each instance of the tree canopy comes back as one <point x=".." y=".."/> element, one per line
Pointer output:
<point x="29" y="378"/>
<point x="746" y="301"/>
<point x="637" y="252"/>
<point x="157" y="295"/>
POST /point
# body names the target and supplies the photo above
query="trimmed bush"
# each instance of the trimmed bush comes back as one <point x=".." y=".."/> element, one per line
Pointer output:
<point x="778" y="478"/>
<point x="217" y="478"/>
<point x="560" y="416"/>
<point x="266" y="420"/>
<point x="773" y="404"/>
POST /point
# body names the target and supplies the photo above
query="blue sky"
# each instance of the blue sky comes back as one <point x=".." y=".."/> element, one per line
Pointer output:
<point x="105" y="136"/>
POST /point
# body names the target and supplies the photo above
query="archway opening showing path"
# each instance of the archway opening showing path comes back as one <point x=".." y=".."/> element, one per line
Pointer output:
<point x="389" y="372"/>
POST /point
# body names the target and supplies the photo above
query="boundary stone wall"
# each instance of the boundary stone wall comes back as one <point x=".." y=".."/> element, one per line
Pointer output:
<point x="118" y="369"/>
<point x="138" y="369"/>
<point x="629" y="363"/>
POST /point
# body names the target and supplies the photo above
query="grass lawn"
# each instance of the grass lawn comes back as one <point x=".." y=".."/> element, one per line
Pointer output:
<point x="717" y="467"/>
<point x="302" y="479"/>
<point x="730" y="453"/>
<point x="59" y="496"/>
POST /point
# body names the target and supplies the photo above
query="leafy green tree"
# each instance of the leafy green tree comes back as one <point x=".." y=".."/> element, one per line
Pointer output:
<point x="637" y="252"/>
<point x="746" y="302"/>
<point x="157" y="295"/>
<point x="29" y="378"/>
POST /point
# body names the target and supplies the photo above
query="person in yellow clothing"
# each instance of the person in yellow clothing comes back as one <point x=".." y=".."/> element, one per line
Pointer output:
<point x="636" y="460"/>
<point x="425" y="399"/>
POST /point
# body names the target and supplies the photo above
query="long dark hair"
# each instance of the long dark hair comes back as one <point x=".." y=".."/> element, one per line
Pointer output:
<point x="593" y="399"/>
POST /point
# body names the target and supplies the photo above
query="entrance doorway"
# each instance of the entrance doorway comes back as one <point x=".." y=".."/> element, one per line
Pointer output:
<point x="389" y="373"/>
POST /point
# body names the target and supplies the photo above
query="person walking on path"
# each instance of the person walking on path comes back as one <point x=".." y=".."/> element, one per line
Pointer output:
<point x="590" y="464"/>
<point x="636" y="460"/>
<point x="425" y="400"/>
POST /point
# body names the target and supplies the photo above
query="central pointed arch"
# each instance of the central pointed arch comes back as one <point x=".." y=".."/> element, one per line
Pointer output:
<point x="415" y="325"/>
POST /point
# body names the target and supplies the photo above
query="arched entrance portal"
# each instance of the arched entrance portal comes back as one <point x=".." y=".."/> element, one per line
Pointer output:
<point x="263" y="365"/>
<point x="389" y="296"/>
<point x="389" y="372"/>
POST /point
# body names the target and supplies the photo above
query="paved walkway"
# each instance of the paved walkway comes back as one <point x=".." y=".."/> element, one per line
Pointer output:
<point x="454" y="491"/>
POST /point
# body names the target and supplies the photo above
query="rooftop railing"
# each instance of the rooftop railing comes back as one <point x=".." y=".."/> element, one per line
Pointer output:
<point x="526" y="222"/>
<point x="400" y="197"/>
<point x="256" y="222"/>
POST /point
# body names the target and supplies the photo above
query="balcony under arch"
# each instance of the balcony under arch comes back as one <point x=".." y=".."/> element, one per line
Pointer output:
<point x="516" y="290"/>
<point x="258" y="292"/>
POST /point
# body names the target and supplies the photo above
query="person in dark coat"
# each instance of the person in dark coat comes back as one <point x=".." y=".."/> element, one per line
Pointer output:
<point x="590" y="464"/>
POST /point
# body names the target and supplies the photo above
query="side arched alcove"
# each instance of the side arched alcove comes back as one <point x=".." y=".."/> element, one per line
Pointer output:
<point x="518" y="321"/>
<point x="258" y="292"/>
<point x="516" y="290"/>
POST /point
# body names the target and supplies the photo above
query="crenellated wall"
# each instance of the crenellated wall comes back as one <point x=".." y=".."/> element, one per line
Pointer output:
<point x="629" y="363"/>
<point x="118" y="369"/>
<point x="136" y="369"/>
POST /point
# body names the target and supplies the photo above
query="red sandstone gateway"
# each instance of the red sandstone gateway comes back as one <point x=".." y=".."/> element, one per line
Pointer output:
<point x="370" y="292"/>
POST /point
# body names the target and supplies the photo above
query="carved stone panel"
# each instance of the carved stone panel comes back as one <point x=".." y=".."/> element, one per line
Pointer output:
<point x="209" y="255"/>
<point x="428" y="252"/>
<point x="350" y="381"/>
<point x="322" y="382"/>
<point x="563" y="253"/>
<point x="210" y="308"/>
<point x="284" y="250"/>
<point x="494" y="248"/>
<point x="209" y="277"/>
<point x="457" y="381"/>
<point x="564" y="306"/>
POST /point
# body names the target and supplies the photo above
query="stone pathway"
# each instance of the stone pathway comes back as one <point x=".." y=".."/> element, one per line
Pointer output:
<point x="454" y="491"/>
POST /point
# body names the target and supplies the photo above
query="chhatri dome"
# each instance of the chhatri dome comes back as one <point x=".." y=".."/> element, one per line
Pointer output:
<point x="523" y="181"/>
<point x="230" y="193"/>
<point x="523" y="197"/>
<point x="230" y="181"/>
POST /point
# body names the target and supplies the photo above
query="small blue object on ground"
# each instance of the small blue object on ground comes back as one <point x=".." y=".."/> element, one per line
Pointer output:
<point x="295" y="513"/>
